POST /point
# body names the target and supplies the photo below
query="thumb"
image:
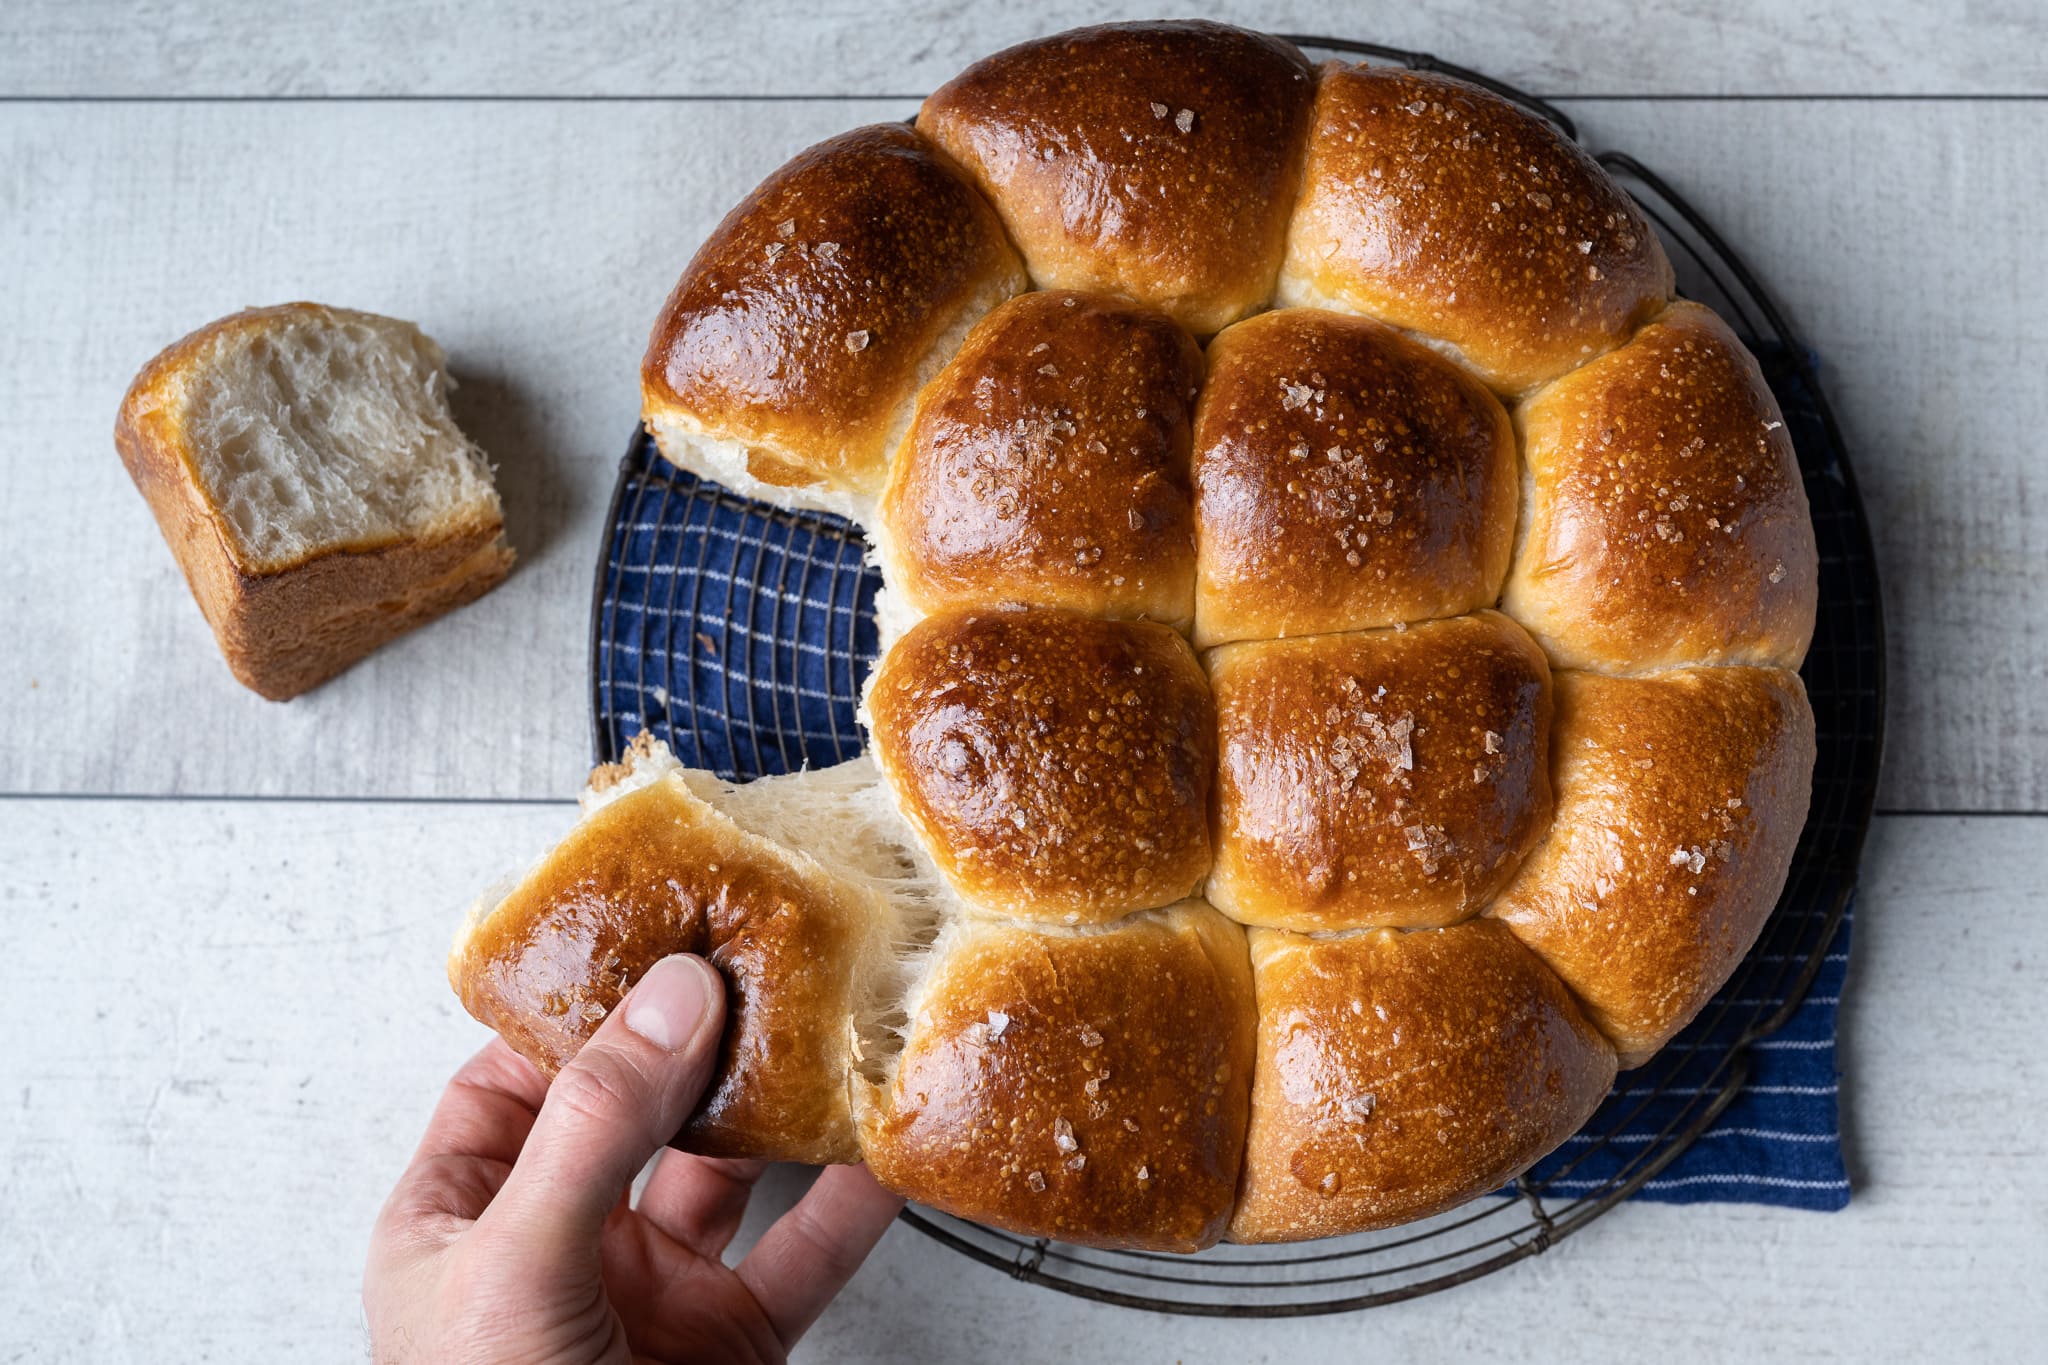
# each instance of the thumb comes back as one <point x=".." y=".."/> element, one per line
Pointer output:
<point x="612" y="1107"/>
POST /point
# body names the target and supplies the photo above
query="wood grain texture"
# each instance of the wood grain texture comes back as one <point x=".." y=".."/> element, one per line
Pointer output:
<point x="537" y="240"/>
<point x="205" y="1109"/>
<point x="645" y="47"/>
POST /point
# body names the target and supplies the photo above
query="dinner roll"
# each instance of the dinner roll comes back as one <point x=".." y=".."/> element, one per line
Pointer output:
<point x="1088" y="1085"/>
<point x="1679" y="798"/>
<point x="1445" y="209"/>
<point x="652" y="870"/>
<point x="1048" y="465"/>
<point x="1056" y="766"/>
<point x="1390" y="777"/>
<point x="1400" y="1074"/>
<point x="1666" y="519"/>
<point x="1345" y="477"/>
<point x="1157" y="160"/>
<point x="311" y="482"/>
<point x="787" y="357"/>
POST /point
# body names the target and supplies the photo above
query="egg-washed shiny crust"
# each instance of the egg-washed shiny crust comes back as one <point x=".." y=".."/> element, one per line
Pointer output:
<point x="1343" y="688"/>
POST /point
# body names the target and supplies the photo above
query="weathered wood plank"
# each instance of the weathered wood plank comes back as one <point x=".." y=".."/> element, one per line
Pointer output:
<point x="643" y="47"/>
<point x="536" y="240"/>
<point x="227" y="1021"/>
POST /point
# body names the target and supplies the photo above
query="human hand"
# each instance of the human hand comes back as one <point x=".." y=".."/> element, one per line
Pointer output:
<point x="511" y="1236"/>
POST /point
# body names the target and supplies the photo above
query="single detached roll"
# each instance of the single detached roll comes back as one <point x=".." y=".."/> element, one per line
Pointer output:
<point x="1345" y="477"/>
<point x="1055" y="766"/>
<point x="653" y="870"/>
<point x="1157" y="160"/>
<point x="786" y="359"/>
<point x="1444" y="209"/>
<point x="1399" y="1075"/>
<point x="307" y="475"/>
<point x="1680" y="797"/>
<point x="1667" y="523"/>
<point x="1084" y="1085"/>
<point x="1380" y="778"/>
<point x="1048" y="465"/>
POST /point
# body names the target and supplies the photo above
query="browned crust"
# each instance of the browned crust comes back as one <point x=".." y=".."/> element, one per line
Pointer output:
<point x="800" y="325"/>
<point x="1157" y="160"/>
<point x="1085" y="1086"/>
<point x="656" y="872"/>
<point x="1668" y="523"/>
<point x="1680" y="797"/>
<point x="1444" y="209"/>
<point x="1399" y="1075"/>
<point x="1048" y="465"/>
<point x="1345" y="478"/>
<point x="1056" y="766"/>
<point x="285" y="630"/>
<point x="1378" y="778"/>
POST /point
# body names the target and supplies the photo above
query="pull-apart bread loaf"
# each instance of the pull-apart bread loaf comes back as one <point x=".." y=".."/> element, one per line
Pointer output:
<point x="304" y="468"/>
<point x="1336" y="703"/>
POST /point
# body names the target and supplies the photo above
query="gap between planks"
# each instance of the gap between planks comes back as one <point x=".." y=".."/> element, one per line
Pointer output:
<point x="735" y="97"/>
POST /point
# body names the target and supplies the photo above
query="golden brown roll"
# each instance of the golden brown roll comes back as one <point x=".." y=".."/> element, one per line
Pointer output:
<point x="1345" y="477"/>
<point x="1055" y="766"/>
<point x="1048" y="465"/>
<point x="1400" y="1074"/>
<point x="1084" y="1085"/>
<point x="1667" y="523"/>
<point x="654" y="870"/>
<point x="1157" y="160"/>
<point x="1444" y="209"/>
<point x="787" y="357"/>
<point x="1392" y="777"/>
<point x="1680" y="797"/>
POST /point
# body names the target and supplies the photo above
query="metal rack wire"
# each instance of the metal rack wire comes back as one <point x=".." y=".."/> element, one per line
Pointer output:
<point x="703" y="613"/>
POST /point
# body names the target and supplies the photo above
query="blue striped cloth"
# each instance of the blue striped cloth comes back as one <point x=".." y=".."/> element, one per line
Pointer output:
<point x="1779" y="1141"/>
<point x="740" y="635"/>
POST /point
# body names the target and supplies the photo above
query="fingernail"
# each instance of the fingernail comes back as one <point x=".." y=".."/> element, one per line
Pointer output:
<point x="669" y="1003"/>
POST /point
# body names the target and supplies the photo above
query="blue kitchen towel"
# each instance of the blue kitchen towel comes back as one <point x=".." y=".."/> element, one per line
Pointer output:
<point x="1778" y="1142"/>
<point x="738" y="634"/>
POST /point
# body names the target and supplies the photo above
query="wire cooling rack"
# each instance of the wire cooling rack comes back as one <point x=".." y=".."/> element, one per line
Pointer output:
<point x="741" y="634"/>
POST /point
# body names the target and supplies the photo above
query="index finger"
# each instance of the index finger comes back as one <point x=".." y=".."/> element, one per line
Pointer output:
<point x="810" y="1253"/>
<point x="487" y="1109"/>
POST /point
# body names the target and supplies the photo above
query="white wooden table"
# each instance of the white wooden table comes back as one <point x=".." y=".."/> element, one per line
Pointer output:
<point x="221" y="1005"/>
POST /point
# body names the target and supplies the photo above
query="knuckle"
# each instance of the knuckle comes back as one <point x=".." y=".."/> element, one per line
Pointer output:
<point x="822" y="1247"/>
<point x="603" y="1089"/>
